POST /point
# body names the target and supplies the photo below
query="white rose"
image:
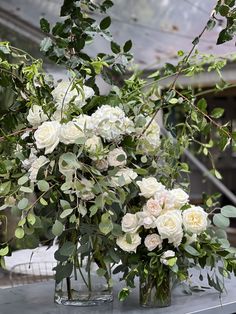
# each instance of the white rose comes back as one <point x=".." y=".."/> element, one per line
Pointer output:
<point x="69" y="133"/>
<point x="47" y="136"/>
<point x="152" y="241"/>
<point x="153" y="207"/>
<point x="180" y="198"/>
<point x="101" y="165"/>
<point x="169" y="226"/>
<point x="129" y="223"/>
<point x="146" y="220"/>
<point x="93" y="144"/>
<point x="166" y="255"/>
<point x="114" y="154"/>
<point x="36" y="165"/>
<point x="85" y="123"/>
<point x="36" y="115"/>
<point x="149" y="186"/>
<point x="195" y="219"/>
<point x="124" y="177"/>
<point x="126" y="246"/>
<point x="65" y="93"/>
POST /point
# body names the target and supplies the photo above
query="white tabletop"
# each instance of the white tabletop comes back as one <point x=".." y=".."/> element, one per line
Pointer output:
<point x="38" y="299"/>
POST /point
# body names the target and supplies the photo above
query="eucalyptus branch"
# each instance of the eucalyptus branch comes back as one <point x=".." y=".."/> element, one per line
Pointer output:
<point x="3" y="138"/>
<point x="203" y="113"/>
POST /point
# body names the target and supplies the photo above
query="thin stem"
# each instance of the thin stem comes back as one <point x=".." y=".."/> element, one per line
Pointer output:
<point x="68" y="286"/>
<point x="2" y="138"/>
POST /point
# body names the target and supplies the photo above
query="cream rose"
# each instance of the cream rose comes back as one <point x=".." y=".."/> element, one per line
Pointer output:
<point x="129" y="223"/>
<point x="114" y="154"/>
<point x="69" y="133"/>
<point x="152" y="241"/>
<point x="153" y="207"/>
<point x="195" y="219"/>
<point x="126" y="246"/>
<point x="167" y="255"/>
<point x="169" y="226"/>
<point x="36" y="115"/>
<point x="124" y="177"/>
<point x="149" y="186"/>
<point x="47" y="136"/>
<point x="36" y="165"/>
<point x="179" y="198"/>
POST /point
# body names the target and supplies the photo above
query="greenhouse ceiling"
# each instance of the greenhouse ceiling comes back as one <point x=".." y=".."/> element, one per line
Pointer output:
<point x="158" y="29"/>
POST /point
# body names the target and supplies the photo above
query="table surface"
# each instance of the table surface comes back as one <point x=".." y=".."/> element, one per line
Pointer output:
<point x="38" y="299"/>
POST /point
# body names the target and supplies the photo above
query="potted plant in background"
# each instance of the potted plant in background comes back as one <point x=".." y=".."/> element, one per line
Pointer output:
<point x="101" y="172"/>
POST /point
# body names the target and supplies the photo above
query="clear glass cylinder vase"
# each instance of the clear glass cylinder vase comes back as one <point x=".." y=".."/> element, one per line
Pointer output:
<point x="155" y="291"/>
<point x="85" y="286"/>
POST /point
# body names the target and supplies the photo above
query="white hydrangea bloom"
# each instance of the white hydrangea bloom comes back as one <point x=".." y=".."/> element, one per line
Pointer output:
<point x="36" y="116"/>
<point x="36" y="165"/>
<point x="111" y="123"/>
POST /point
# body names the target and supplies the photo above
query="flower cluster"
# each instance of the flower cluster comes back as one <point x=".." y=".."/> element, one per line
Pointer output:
<point x="166" y="214"/>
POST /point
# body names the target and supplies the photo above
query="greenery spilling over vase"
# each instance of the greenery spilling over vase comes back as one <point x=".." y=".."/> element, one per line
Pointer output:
<point x="99" y="174"/>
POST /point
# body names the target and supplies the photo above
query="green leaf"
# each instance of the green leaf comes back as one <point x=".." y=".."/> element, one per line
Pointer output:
<point x="44" y="25"/>
<point x="220" y="221"/>
<point x="228" y="211"/>
<point x="22" y="180"/>
<point x="211" y="24"/>
<point x="173" y="101"/>
<point x="4" y="251"/>
<point x="101" y="272"/>
<point x="26" y="189"/>
<point x="63" y="271"/>
<point x="223" y="10"/>
<point x="224" y="36"/>
<point x="66" y="213"/>
<point x="64" y="204"/>
<point x="46" y="44"/>
<point x="5" y="188"/>
<point x="172" y="261"/>
<point x="43" y="201"/>
<point x="93" y="210"/>
<point x="217" y="113"/>
<point x="127" y="46"/>
<point x="191" y="250"/>
<point x="19" y="233"/>
<point x="115" y="47"/>
<point x="195" y="41"/>
<point x="23" y="203"/>
<point x="123" y="294"/>
<point x="105" y="23"/>
<point x="43" y="185"/>
<point x="67" y="248"/>
<point x="31" y="219"/>
<point x="57" y="228"/>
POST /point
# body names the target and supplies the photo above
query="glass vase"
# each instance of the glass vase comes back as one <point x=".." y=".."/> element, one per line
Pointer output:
<point x="85" y="286"/>
<point x="155" y="291"/>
